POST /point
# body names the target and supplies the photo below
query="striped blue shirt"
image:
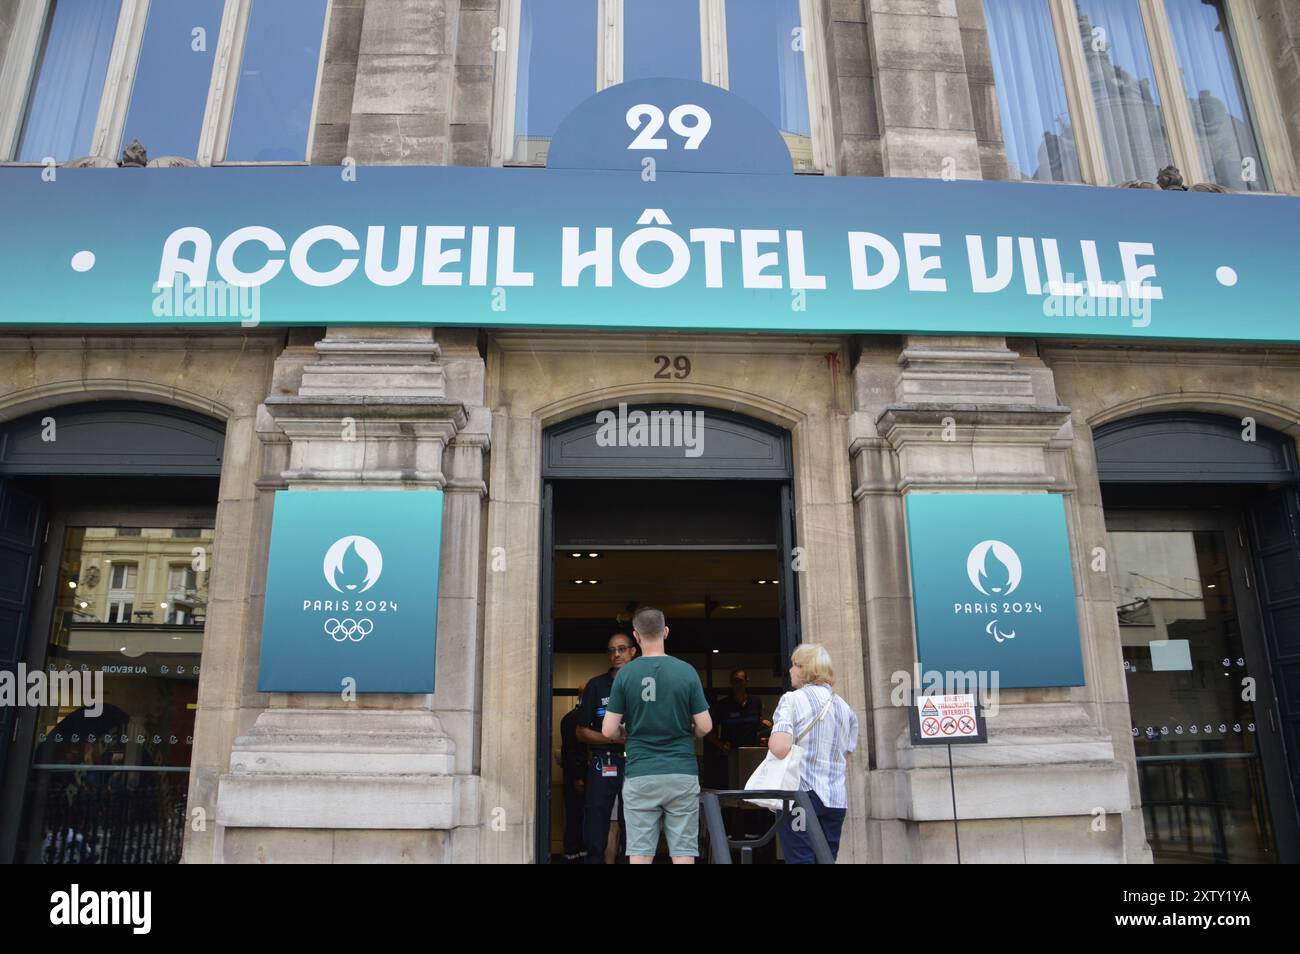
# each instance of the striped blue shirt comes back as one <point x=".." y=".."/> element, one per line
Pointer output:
<point x="823" y="769"/>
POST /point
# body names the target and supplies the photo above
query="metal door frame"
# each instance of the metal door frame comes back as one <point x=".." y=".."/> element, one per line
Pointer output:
<point x="778" y="469"/>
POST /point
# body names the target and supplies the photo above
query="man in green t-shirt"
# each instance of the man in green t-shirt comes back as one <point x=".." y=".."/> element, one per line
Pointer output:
<point x="663" y="704"/>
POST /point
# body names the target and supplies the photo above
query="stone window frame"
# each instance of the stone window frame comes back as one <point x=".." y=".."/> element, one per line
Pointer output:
<point x="18" y="73"/>
<point x="713" y="62"/>
<point x="1256" y="77"/>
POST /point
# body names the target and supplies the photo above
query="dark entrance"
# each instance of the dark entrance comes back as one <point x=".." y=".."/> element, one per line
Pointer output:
<point x="706" y="538"/>
<point x="105" y="550"/>
<point x="1205" y="566"/>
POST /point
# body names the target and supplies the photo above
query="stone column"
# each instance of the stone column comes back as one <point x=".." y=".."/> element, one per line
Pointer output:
<point x="925" y="121"/>
<point x="402" y="98"/>
<point x="387" y="777"/>
<point x="967" y="414"/>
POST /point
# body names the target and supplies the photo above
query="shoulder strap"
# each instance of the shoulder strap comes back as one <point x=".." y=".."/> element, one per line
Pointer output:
<point x="826" y="708"/>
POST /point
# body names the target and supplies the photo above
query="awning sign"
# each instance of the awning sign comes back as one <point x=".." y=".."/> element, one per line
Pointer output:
<point x="668" y="206"/>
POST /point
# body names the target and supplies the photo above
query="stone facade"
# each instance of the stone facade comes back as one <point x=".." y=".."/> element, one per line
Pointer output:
<point x="449" y="777"/>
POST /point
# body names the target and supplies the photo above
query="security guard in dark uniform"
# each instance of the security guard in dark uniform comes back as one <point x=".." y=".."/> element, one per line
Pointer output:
<point x="605" y="758"/>
<point x="738" y="720"/>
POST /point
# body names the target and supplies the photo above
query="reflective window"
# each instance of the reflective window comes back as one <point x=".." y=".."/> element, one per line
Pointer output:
<point x="172" y="77"/>
<point x="1123" y="83"/>
<point x="1225" y="136"/>
<point x="765" y="65"/>
<point x="557" y="70"/>
<point x="1195" y="737"/>
<point x="110" y="776"/>
<point x="69" y="80"/>
<point x="1036" y="125"/>
<point x="661" y="38"/>
<point x="277" y="82"/>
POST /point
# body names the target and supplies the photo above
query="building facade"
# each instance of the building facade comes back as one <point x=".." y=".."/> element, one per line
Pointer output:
<point x="152" y="507"/>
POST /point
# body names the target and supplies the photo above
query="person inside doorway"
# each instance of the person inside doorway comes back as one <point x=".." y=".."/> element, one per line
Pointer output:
<point x="737" y="723"/>
<point x="603" y="806"/>
<point x="666" y="712"/>
<point x="573" y="767"/>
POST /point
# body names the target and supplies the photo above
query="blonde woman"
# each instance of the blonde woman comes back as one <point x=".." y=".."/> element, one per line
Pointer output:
<point x="827" y="730"/>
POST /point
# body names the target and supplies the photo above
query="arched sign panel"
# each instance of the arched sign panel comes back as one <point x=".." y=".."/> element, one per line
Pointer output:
<point x="667" y="207"/>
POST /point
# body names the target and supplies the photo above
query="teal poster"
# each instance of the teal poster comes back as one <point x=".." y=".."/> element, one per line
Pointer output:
<point x="352" y="591"/>
<point x="992" y="587"/>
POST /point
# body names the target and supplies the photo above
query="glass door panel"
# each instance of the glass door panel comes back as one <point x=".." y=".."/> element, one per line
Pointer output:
<point x="1192" y="678"/>
<point x="110" y="773"/>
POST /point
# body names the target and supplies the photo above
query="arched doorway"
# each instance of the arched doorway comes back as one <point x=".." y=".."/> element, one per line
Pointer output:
<point x="686" y="508"/>
<point x="107" y="516"/>
<point x="1203" y="516"/>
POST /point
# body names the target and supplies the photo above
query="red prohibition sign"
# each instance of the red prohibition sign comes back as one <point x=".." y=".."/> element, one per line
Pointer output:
<point x="929" y="727"/>
<point x="967" y="725"/>
<point x="949" y="725"/>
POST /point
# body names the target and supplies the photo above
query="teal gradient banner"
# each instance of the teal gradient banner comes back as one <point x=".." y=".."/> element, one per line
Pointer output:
<point x="571" y="248"/>
<point x="993" y="589"/>
<point x="352" y="591"/>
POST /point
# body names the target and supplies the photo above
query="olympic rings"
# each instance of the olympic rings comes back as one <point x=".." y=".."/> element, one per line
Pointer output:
<point x="353" y="629"/>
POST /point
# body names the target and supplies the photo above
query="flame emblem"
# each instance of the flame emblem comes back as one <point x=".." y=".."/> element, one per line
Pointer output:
<point x="999" y="577"/>
<point x="346" y="558"/>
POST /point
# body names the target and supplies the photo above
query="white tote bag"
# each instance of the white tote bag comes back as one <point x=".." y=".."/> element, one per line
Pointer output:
<point x="782" y="775"/>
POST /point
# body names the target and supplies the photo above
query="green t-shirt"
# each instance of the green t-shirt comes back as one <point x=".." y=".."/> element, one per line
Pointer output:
<point x="657" y="696"/>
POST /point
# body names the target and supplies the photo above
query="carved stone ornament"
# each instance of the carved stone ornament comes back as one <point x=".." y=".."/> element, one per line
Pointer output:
<point x="134" y="155"/>
<point x="1171" y="180"/>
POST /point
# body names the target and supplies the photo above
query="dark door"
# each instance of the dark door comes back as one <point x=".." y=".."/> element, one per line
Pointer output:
<point x="1274" y="522"/>
<point x="21" y="529"/>
<point x="1211" y="763"/>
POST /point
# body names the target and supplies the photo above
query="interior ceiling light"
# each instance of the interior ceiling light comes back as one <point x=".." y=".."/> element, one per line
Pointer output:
<point x="577" y="556"/>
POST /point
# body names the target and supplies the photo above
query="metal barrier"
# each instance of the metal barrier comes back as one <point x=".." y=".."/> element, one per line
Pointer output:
<point x="721" y="844"/>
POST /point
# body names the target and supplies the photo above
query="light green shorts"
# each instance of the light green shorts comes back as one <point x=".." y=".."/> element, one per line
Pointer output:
<point x="670" y="800"/>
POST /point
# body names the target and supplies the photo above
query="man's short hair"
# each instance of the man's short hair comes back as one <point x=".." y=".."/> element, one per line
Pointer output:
<point x="649" y="622"/>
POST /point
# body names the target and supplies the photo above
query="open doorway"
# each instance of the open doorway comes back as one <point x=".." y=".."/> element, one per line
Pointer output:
<point x="708" y="545"/>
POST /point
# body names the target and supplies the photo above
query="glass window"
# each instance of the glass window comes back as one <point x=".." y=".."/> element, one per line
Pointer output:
<point x="110" y="786"/>
<point x="765" y="65"/>
<point x="557" y="70"/>
<point x="172" y="77"/>
<point x="1224" y="135"/>
<point x="69" y="80"/>
<point x="661" y="38"/>
<point x="277" y="82"/>
<point x="1199" y="764"/>
<point x="123" y="577"/>
<point x="1123" y="82"/>
<point x="1036" y="124"/>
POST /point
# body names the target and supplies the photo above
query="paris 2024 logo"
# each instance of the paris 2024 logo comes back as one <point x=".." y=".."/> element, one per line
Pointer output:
<point x="995" y="570"/>
<point x="352" y="565"/>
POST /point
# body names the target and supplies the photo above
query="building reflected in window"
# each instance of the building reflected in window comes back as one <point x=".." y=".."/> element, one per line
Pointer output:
<point x="111" y="786"/>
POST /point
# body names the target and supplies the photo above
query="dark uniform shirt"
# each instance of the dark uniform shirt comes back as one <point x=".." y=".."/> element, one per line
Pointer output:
<point x="591" y="712"/>
<point x="573" y="754"/>
<point x="739" y="723"/>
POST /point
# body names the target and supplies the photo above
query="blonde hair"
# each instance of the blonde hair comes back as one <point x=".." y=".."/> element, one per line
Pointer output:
<point x="815" y="662"/>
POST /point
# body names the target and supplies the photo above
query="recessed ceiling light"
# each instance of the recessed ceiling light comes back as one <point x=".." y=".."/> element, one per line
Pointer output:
<point x="577" y="581"/>
<point x="579" y="555"/>
<point x="593" y="582"/>
<point x="717" y="650"/>
<point x="72" y="584"/>
<point x="593" y="554"/>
